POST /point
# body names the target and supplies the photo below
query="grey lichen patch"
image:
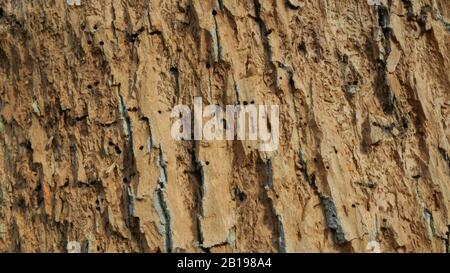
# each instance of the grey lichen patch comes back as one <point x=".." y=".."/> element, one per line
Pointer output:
<point x="160" y="203"/>
<point x="159" y="210"/>
<point x="333" y="221"/>
<point x="442" y="20"/>
<point x="131" y="201"/>
<point x="73" y="2"/>
<point x="36" y="109"/>
<point x="428" y="218"/>
<point x="161" y="163"/>
<point x="231" y="239"/>
<point x="124" y="117"/>
<point x="281" y="236"/>
<point x="351" y="89"/>
<point x="73" y="247"/>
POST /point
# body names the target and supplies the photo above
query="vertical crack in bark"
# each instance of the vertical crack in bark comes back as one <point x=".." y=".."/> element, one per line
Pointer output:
<point x="236" y="92"/>
<point x="281" y="238"/>
<point x="383" y="90"/>
<point x="160" y="202"/>
<point x="328" y="206"/>
<point x="428" y="218"/>
<point x="131" y="202"/>
<point x="113" y="25"/>
<point x="129" y="161"/>
<point x="149" y="134"/>
<point x="409" y="6"/>
<point x="265" y="41"/>
<point x="201" y="193"/>
<point x="333" y="221"/>
<point x="216" y="41"/>
<point x="269" y="170"/>
<point x="130" y="170"/>
<point x="221" y="5"/>
<point x="264" y="32"/>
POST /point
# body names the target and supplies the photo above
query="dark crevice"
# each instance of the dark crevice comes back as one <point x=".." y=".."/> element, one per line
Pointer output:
<point x="408" y="4"/>
<point x="239" y="195"/>
<point x="422" y="18"/>
<point x="329" y="208"/>
<point x="221" y="5"/>
<point x="132" y="37"/>
<point x="166" y="215"/>
<point x="291" y="5"/>
<point x="155" y="32"/>
<point x="163" y="210"/>
<point x="108" y="124"/>
<point x="218" y="48"/>
<point x="383" y="90"/>
<point x="129" y="160"/>
<point x="176" y="74"/>
<point x="265" y="32"/>
<point x="236" y="92"/>
<point x="281" y="237"/>
<point x="269" y="173"/>
<point x="384" y="21"/>
<point x="333" y="221"/>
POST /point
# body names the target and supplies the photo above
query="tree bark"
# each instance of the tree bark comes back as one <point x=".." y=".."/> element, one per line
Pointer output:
<point x="89" y="164"/>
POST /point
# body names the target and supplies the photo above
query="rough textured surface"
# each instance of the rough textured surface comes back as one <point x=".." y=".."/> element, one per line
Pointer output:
<point x="88" y="165"/>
